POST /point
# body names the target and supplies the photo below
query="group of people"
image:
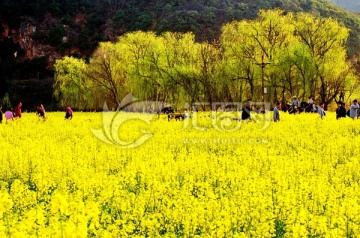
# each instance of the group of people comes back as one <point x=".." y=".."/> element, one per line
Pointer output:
<point x="308" y="107"/>
<point x="320" y="110"/>
<point x="16" y="112"/>
<point x="354" y="110"/>
<point x="10" y="114"/>
<point x="341" y="112"/>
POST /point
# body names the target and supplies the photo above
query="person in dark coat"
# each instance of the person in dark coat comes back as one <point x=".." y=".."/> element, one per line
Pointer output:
<point x="40" y="111"/>
<point x="246" y="111"/>
<point x="340" y="110"/>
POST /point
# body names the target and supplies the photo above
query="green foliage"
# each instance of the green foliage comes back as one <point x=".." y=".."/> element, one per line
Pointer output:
<point x="291" y="54"/>
<point x="71" y="85"/>
<point x="86" y="23"/>
<point x="203" y="18"/>
<point x="56" y="35"/>
<point x="5" y="102"/>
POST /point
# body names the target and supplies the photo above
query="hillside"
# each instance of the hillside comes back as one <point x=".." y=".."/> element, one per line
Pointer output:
<point x="350" y="5"/>
<point x="39" y="32"/>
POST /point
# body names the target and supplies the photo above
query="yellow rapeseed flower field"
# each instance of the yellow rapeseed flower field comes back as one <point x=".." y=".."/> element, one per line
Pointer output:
<point x="208" y="177"/>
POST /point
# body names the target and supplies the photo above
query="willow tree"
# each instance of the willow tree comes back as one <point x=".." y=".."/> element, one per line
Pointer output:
<point x="272" y="35"/>
<point x="238" y="57"/>
<point x="145" y="51"/>
<point x="108" y="70"/>
<point x="325" y="39"/>
<point x="303" y="83"/>
<point x="181" y="65"/>
<point x="208" y="72"/>
<point x="253" y="44"/>
<point x="306" y="55"/>
<point x="72" y="87"/>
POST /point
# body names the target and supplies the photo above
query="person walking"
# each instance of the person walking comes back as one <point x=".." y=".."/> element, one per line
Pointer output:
<point x="245" y="115"/>
<point x="277" y="112"/>
<point x="17" y="110"/>
<point x="340" y="110"/>
<point x="353" y="109"/>
<point x="321" y="110"/>
<point x="295" y="105"/>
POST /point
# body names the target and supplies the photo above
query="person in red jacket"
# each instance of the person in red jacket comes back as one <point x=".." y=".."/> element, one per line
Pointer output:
<point x="17" y="110"/>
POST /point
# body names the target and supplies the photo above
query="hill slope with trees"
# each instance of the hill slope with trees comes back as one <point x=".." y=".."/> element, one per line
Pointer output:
<point x="39" y="32"/>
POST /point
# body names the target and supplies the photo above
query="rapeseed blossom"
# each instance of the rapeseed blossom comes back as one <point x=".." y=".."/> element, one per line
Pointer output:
<point x="295" y="178"/>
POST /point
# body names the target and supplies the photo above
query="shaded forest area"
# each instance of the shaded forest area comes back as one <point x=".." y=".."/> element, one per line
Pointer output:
<point x="34" y="35"/>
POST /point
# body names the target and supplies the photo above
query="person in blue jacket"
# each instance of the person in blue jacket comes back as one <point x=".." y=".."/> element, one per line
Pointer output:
<point x="353" y="109"/>
<point x="321" y="110"/>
